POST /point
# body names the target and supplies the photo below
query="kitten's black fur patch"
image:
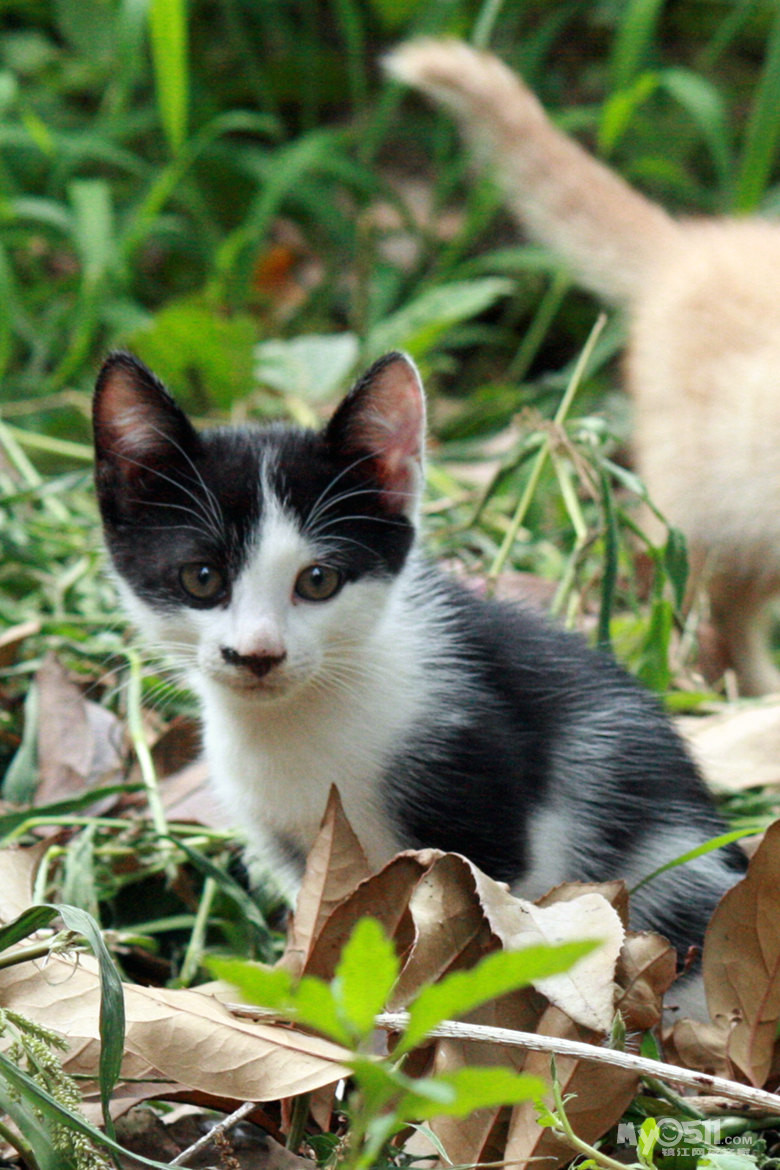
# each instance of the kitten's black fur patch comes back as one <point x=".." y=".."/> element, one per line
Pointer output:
<point x="526" y="738"/>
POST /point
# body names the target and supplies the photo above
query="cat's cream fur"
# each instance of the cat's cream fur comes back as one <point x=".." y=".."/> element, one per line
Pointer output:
<point x="703" y="359"/>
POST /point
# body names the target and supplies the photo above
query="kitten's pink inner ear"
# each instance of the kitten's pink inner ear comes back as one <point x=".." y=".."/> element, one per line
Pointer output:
<point x="134" y="417"/>
<point x="122" y="415"/>
<point x="390" y="422"/>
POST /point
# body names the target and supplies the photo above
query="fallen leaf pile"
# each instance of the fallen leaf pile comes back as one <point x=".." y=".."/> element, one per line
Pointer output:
<point x="442" y="915"/>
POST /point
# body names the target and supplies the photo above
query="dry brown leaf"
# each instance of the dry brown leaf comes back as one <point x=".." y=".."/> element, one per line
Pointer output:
<point x="450" y="928"/>
<point x="79" y="742"/>
<point x="646" y="969"/>
<point x="470" y="1140"/>
<point x="697" y="1045"/>
<point x="384" y="896"/>
<point x="188" y="795"/>
<point x="183" y="1037"/>
<point x="586" y="993"/>
<point x="12" y="638"/>
<point x="335" y="866"/>
<point x="600" y="1095"/>
<point x="178" y="747"/>
<point x="615" y="893"/>
<point x="741" y="962"/>
<point x="738" y="747"/>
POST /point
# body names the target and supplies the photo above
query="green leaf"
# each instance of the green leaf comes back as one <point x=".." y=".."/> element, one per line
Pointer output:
<point x="700" y="851"/>
<point x="762" y="130"/>
<point x="394" y="14"/>
<point x="418" y="326"/>
<point x="317" y="1006"/>
<point x="648" y="1139"/>
<point x="676" y="564"/>
<point x="365" y="975"/>
<point x="206" y="357"/>
<point x="21" y="777"/>
<point x="459" y="1093"/>
<point x="498" y="974"/>
<point x="266" y="987"/>
<point x="704" y="103"/>
<point x="619" y="110"/>
<point x="32" y="919"/>
<point x="93" y="227"/>
<point x="309" y="1002"/>
<point x="635" y="34"/>
<point x="168" y="31"/>
<point x="12" y="822"/>
<point x="313" y="367"/>
<point x="112" y="1004"/>
<point x="229" y="887"/>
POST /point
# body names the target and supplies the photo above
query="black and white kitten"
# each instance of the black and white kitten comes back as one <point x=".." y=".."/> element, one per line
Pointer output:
<point x="278" y="566"/>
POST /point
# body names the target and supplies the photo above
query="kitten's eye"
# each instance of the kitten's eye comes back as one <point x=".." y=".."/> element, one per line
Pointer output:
<point x="317" y="583"/>
<point x="201" y="581"/>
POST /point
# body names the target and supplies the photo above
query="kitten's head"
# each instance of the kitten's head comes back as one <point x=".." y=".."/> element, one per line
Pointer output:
<point x="260" y="559"/>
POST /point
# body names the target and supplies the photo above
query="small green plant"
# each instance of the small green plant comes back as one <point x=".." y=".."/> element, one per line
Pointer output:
<point x="385" y="1099"/>
<point x="44" y="1140"/>
<point x="665" y="1132"/>
<point x="36" y="1093"/>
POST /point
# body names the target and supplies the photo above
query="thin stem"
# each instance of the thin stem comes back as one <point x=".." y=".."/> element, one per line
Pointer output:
<point x="300" y="1115"/>
<point x="227" y="1123"/>
<point x="718" y="1086"/>
<point x="537" y="330"/>
<point x="141" y="747"/>
<point x="196" y="945"/>
<point x="483" y="27"/>
<point x="536" y="471"/>
<point x="15" y="1140"/>
<point x="681" y="1104"/>
<point x="28" y="954"/>
<point x="564" y="1130"/>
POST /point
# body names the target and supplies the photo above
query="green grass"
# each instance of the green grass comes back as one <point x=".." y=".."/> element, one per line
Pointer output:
<point x="258" y="214"/>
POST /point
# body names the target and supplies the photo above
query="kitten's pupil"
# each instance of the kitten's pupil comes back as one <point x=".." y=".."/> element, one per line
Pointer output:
<point x="202" y="581"/>
<point x="317" y="583"/>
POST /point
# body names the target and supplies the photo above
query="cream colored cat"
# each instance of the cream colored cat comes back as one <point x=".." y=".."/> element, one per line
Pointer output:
<point x="703" y="361"/>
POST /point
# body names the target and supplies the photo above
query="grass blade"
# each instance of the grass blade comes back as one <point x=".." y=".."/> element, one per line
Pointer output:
<point x="168" y="33"/>
<point x="635" y="35"/>
<point x="112" y="1004"/>
<point x="762" y="129"/>
<point x="51" y="1109"/>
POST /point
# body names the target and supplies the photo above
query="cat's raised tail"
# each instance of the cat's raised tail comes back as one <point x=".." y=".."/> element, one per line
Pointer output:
<point x="608" y="233"/>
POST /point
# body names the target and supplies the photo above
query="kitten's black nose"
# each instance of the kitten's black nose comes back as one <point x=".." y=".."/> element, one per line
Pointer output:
<point x="258" y="664"/>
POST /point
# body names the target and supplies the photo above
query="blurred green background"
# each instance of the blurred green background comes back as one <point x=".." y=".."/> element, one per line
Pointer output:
<point x="233" y="190"/>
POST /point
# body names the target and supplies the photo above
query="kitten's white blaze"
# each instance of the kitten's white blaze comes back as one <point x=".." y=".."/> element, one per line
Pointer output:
<point x="260" y="606"/>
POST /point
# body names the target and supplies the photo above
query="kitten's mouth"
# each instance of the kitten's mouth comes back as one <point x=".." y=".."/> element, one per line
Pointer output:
<point x="264" y="689"/>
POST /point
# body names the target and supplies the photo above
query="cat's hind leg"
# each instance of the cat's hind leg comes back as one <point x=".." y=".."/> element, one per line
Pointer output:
<point x="742" y="616"/>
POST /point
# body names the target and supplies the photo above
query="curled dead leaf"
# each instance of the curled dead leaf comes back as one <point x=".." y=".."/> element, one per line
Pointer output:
<point x="741" y="962"/>
<point x="79" y="742"/>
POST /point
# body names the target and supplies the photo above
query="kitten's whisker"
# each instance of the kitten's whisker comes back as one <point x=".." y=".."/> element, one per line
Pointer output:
<point x="214" y="529"/>
<point x="216" y="510"/>
<point x="323" y="494"/>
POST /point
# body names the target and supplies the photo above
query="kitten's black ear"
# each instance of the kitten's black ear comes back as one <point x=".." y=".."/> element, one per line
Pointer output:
<point x="137" y="425"/>
<point x="381" y="425"/>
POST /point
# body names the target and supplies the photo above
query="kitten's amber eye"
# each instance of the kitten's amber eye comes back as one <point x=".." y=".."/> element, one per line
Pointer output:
<point x="202" y="582"/>
<point x="317" y="583"/>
